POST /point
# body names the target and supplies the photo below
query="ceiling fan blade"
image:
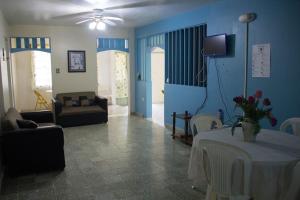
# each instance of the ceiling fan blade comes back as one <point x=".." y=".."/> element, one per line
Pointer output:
<point x="113" y="18"/>
<point x="109" y="22"/>
<point x="85" y="20"/>
<point x="132" y="5"/>
<point x="72" y="15"/>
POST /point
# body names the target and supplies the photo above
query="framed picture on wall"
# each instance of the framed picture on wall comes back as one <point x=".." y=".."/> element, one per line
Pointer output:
<point x="76" y="61"/>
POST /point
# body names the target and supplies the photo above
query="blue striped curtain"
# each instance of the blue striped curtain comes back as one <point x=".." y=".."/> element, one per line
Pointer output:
<point x="184" y="63"/>
<point x="18" y="44"/>
<point x="118" y="44"/>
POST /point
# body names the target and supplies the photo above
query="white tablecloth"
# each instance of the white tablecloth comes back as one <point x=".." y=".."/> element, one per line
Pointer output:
<point x="274" y="156"/>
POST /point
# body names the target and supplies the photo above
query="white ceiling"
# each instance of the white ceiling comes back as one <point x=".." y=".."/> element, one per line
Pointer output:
<point x="134" y="12"/>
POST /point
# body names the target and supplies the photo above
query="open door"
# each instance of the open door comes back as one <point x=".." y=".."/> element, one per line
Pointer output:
<point x="112" y="76"/>
<point x="157" y="80"/>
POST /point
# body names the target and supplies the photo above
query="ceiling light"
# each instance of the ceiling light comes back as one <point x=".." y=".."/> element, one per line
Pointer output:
<point x="92" y="25"/>
<point x="101" y="26"/>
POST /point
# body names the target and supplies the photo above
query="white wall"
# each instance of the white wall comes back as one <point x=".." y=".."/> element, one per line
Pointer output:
<point x="5" y="99"/>
<point x="76" y="38"/>
<point x="157" y="74"/>
<point x="4" y="83"/>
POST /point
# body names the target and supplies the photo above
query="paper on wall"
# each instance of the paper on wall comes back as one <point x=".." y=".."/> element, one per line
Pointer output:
<point x="261" y="60"/>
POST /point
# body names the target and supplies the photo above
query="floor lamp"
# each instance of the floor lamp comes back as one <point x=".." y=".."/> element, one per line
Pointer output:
<point x="246" y="18"/>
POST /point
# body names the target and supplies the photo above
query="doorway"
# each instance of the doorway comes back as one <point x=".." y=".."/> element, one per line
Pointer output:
<point x="112" y="76"/>
<point x="31" y="71"/>
<point x="157" y="78"/>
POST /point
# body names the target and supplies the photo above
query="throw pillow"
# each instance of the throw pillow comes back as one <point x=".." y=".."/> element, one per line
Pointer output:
<point x="23" y="123"/>
<point x="85" y="102"/>
<point x="67" y="99"/>
<point x="75" y="103"/>
<point x="68" y="103"/>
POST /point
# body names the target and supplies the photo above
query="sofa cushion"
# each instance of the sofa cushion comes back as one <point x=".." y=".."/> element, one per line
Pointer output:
<point x="23" y="123"/>
<point x="80" y="110"/>
<point x="10" y="120"/>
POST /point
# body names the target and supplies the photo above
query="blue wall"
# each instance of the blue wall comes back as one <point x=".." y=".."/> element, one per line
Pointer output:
<point x="277" y="23"/>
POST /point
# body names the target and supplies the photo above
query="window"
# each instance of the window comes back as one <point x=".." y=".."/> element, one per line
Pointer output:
<point x="41" y="65"/>
<point x="185" y="64"/>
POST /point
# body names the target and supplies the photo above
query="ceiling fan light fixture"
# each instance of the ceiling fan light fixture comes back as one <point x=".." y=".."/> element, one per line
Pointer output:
<point x="101" y="26"/>
<point x="92" y="25"/>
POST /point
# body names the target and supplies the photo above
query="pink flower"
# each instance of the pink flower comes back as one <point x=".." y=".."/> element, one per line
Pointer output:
<point x="267" y="102"/>
<point x="273" y="121"/>
<point x="258" y="94"/>
<point x="251" y="100"/>
<point x="238" y="99"/>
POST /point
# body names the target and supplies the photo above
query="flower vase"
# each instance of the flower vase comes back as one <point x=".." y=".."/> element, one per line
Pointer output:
<point x="249" y="130"/>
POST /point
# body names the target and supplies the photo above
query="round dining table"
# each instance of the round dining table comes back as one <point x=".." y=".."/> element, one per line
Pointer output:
<point x="275" y="161"/>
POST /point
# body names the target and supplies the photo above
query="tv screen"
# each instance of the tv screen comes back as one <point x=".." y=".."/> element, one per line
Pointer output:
<point x="215" y="45"/>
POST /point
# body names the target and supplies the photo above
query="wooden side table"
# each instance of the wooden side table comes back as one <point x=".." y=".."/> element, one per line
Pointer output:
<point x="186" y="117"/>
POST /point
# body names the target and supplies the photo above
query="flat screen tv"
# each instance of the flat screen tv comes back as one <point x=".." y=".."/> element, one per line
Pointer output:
<point x="215" y="45"/>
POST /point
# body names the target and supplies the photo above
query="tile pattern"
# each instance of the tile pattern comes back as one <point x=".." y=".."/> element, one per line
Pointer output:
<point x="128" y="158"/>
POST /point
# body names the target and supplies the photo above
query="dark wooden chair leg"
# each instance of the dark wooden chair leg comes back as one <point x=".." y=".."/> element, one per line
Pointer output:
<point x="174" y="125"/>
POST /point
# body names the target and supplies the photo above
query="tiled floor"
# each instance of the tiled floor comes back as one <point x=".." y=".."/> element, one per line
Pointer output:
<point x="117" y="111"/>
<point x="128" y="158"/>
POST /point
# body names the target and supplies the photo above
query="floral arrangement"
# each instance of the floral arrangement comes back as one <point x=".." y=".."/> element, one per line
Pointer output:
<point x="253" y="111"/>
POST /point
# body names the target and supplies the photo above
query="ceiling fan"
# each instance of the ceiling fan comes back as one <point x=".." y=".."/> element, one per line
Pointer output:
<point x="98" y="20"/>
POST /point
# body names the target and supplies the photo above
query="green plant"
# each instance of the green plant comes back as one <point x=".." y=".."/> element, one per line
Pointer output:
<point x="253" y="111"/>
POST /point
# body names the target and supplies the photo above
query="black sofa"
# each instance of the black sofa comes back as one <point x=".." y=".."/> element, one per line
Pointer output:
<point x="76" y="114"/>
<point x="31" y="150"/>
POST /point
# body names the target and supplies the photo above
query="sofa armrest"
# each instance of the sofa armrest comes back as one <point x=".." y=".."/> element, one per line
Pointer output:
<point x="27" y="134"/>
<point x="102" y="102"/>
<point x="44" y="116"/>
<point x="57" y="106"/>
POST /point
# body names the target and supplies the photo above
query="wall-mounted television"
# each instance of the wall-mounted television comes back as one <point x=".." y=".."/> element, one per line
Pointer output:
<point x="215" y="45"/>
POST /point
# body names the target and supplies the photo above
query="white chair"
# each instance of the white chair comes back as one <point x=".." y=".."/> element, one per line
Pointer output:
<point x="294" y="123"/>
<point x="227" y="170"/>
<point x="200" y="123"/>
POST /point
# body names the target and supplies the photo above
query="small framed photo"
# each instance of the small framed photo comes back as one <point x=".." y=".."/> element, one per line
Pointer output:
<point x="76" y="61"/>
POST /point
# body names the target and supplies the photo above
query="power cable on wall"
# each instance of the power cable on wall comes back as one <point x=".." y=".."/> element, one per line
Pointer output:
<point x="206" y="93"/>
<point x="220" y="86"/>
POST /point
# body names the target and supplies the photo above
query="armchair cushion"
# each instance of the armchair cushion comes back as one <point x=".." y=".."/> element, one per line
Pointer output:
<point x="24" y="123"/>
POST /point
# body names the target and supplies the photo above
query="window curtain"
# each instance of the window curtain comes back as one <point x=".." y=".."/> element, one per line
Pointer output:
<point x="41" y="70"/>
<point x="185" y="63"/>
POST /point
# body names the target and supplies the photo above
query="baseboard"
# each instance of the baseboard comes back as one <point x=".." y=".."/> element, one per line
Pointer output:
<point x="137" y="114"/>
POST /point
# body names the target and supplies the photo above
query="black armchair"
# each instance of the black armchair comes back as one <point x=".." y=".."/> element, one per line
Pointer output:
<point x="27" y="150"/>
